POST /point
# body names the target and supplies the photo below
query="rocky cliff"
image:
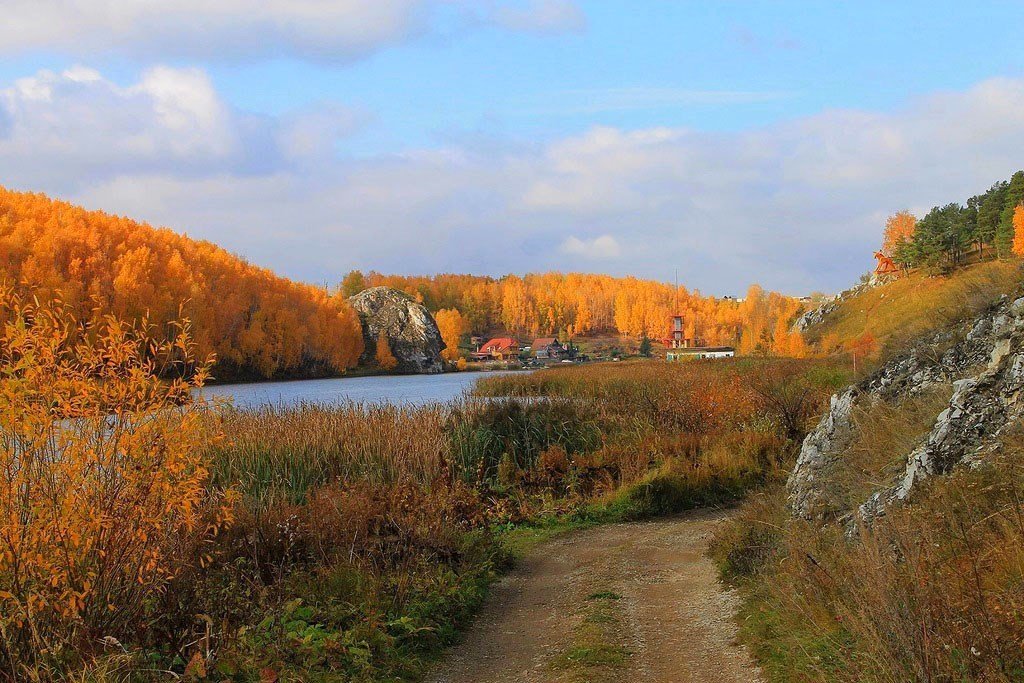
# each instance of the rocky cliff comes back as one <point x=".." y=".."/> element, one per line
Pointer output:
<point x="982" y="359"/>
<point x="817" y="315"/>
<point x="411" y="330"/>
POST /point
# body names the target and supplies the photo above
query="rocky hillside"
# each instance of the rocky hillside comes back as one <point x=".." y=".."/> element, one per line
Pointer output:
<point x="982" y="360"/>
<point x="410" y="329"/>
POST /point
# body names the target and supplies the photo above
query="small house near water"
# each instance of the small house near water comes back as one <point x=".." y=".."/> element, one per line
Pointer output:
<point x="548" y="348"/>
<point x="499" y="348"/>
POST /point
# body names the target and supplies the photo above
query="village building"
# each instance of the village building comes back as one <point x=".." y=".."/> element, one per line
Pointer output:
<point x="685" y="345"/>
<point x="677" y="336"/>
<point x="499" y="348"/>
<point x="548" y="348"/>
<point x="700" y="353"/>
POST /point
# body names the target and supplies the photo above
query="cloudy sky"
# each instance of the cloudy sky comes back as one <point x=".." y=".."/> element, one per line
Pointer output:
<point x="734" y="141"/>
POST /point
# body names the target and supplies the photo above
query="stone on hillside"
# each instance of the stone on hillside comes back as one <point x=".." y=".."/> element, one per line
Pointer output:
<point x="984" y="362"/>
<point x="412" y="332"/>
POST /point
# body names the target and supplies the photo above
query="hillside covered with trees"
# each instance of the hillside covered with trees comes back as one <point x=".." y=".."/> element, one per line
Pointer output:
<point x="258" y="324"/>
<point x="991" y="223"/>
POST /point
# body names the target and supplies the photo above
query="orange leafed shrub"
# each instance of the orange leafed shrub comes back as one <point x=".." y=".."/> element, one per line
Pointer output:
<point x="103" y="489"/>
<point x="385" y="358"/>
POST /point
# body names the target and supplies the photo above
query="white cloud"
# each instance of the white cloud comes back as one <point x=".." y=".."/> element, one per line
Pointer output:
<point x="796" y="206"/>
<point x="322" y="30"/>
<point x="603" y="247"/>
<point x="542" y="16"/>
<point x="74" y="128"/>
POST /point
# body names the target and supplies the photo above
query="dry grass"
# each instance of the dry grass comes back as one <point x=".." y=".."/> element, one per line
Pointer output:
<point x="885" y="434"/>
<point x="280" y="454"/>
<point x="933" y="592"/>
<point x="915" y="305"/>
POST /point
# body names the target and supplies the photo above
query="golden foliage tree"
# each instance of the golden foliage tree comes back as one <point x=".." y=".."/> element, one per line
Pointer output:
<point x="899" y="228"/>
<point x="385" y="358"/>
<point x="452" y="326"/>
<point x="1018" y="230"/>
<point x="105" y="495"/>
<point x="256" y="323"/>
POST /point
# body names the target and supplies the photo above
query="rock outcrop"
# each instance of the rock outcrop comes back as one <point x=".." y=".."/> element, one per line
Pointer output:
<point x="817" y="315"/>
<point x="984" y="362"/>
<point x="411" y="330"/>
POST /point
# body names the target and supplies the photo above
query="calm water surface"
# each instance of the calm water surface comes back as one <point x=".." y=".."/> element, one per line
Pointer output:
<point x="410" y="389"/>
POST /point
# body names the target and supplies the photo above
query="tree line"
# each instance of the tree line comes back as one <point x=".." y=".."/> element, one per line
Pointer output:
<point x="986" y="224"/>
<point x="259" y="325"/>
<point x="571" y="305"/>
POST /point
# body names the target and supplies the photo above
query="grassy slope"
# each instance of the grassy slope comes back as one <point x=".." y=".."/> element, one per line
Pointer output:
<point x="909" y="307"/>
<point x="933" y="592"/>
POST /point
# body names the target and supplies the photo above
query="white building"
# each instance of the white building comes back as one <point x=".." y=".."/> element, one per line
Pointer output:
<point x="700" y="352"/>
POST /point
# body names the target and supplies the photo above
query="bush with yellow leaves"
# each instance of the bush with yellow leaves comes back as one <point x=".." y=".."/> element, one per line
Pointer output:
<point x="104" y="492"/>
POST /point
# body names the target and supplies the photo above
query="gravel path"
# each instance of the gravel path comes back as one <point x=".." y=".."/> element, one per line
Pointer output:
<point x="626" y="602"/>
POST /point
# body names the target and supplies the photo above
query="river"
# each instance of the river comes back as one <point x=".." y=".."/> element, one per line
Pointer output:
<point x="405" y="389"/>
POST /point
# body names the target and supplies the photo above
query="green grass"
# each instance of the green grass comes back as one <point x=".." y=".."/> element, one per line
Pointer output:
<point x="596" y="645"/>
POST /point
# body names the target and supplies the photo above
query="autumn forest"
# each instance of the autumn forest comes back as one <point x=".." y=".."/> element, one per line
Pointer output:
<point x="260" y="325"/>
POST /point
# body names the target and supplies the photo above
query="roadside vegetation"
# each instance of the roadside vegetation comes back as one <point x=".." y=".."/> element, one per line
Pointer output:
<point x="931" y="593"/>
<point x="148" y="536"/>
<point x="932" y="590"/>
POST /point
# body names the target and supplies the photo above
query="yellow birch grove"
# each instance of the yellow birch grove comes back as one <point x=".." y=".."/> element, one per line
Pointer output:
<point x="260" y="325"/>
<point x="576" y="304"/>
<point x="105" y="495"/>
<point x="257" y="324"/>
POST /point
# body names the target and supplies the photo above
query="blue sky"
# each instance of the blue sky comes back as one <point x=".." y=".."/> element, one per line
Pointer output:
<point x="737" y="141"/>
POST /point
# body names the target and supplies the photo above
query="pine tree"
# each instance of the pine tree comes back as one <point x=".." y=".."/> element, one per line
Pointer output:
<point x="645" y="346"/>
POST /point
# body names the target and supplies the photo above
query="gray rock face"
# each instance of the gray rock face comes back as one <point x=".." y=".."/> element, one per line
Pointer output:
<point x="411" y="330"/>
<point x="983" y="360"/>
<point x="815" y="316"/>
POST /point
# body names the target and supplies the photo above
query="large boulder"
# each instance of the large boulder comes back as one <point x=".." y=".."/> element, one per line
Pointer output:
<point x="411" y="330"/>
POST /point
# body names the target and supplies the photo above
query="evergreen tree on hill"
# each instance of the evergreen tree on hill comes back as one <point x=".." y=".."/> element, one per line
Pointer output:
<point x="990" y="209"/>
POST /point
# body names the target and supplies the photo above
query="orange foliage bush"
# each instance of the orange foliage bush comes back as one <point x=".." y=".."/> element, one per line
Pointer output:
<point x="256" y="323"/>
<point x="1018" y="230"/>
<point x="385" y="358"/>
<point x="103" y="493"/>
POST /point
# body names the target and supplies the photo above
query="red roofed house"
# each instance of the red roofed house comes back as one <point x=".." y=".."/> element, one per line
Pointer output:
<point x="499" y="348"/>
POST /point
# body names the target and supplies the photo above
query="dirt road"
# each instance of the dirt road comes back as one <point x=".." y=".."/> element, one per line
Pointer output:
<point x="626" y="602"/>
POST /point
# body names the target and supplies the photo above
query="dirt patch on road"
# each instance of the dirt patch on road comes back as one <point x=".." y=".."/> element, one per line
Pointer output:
<point x="625" y="602"/>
